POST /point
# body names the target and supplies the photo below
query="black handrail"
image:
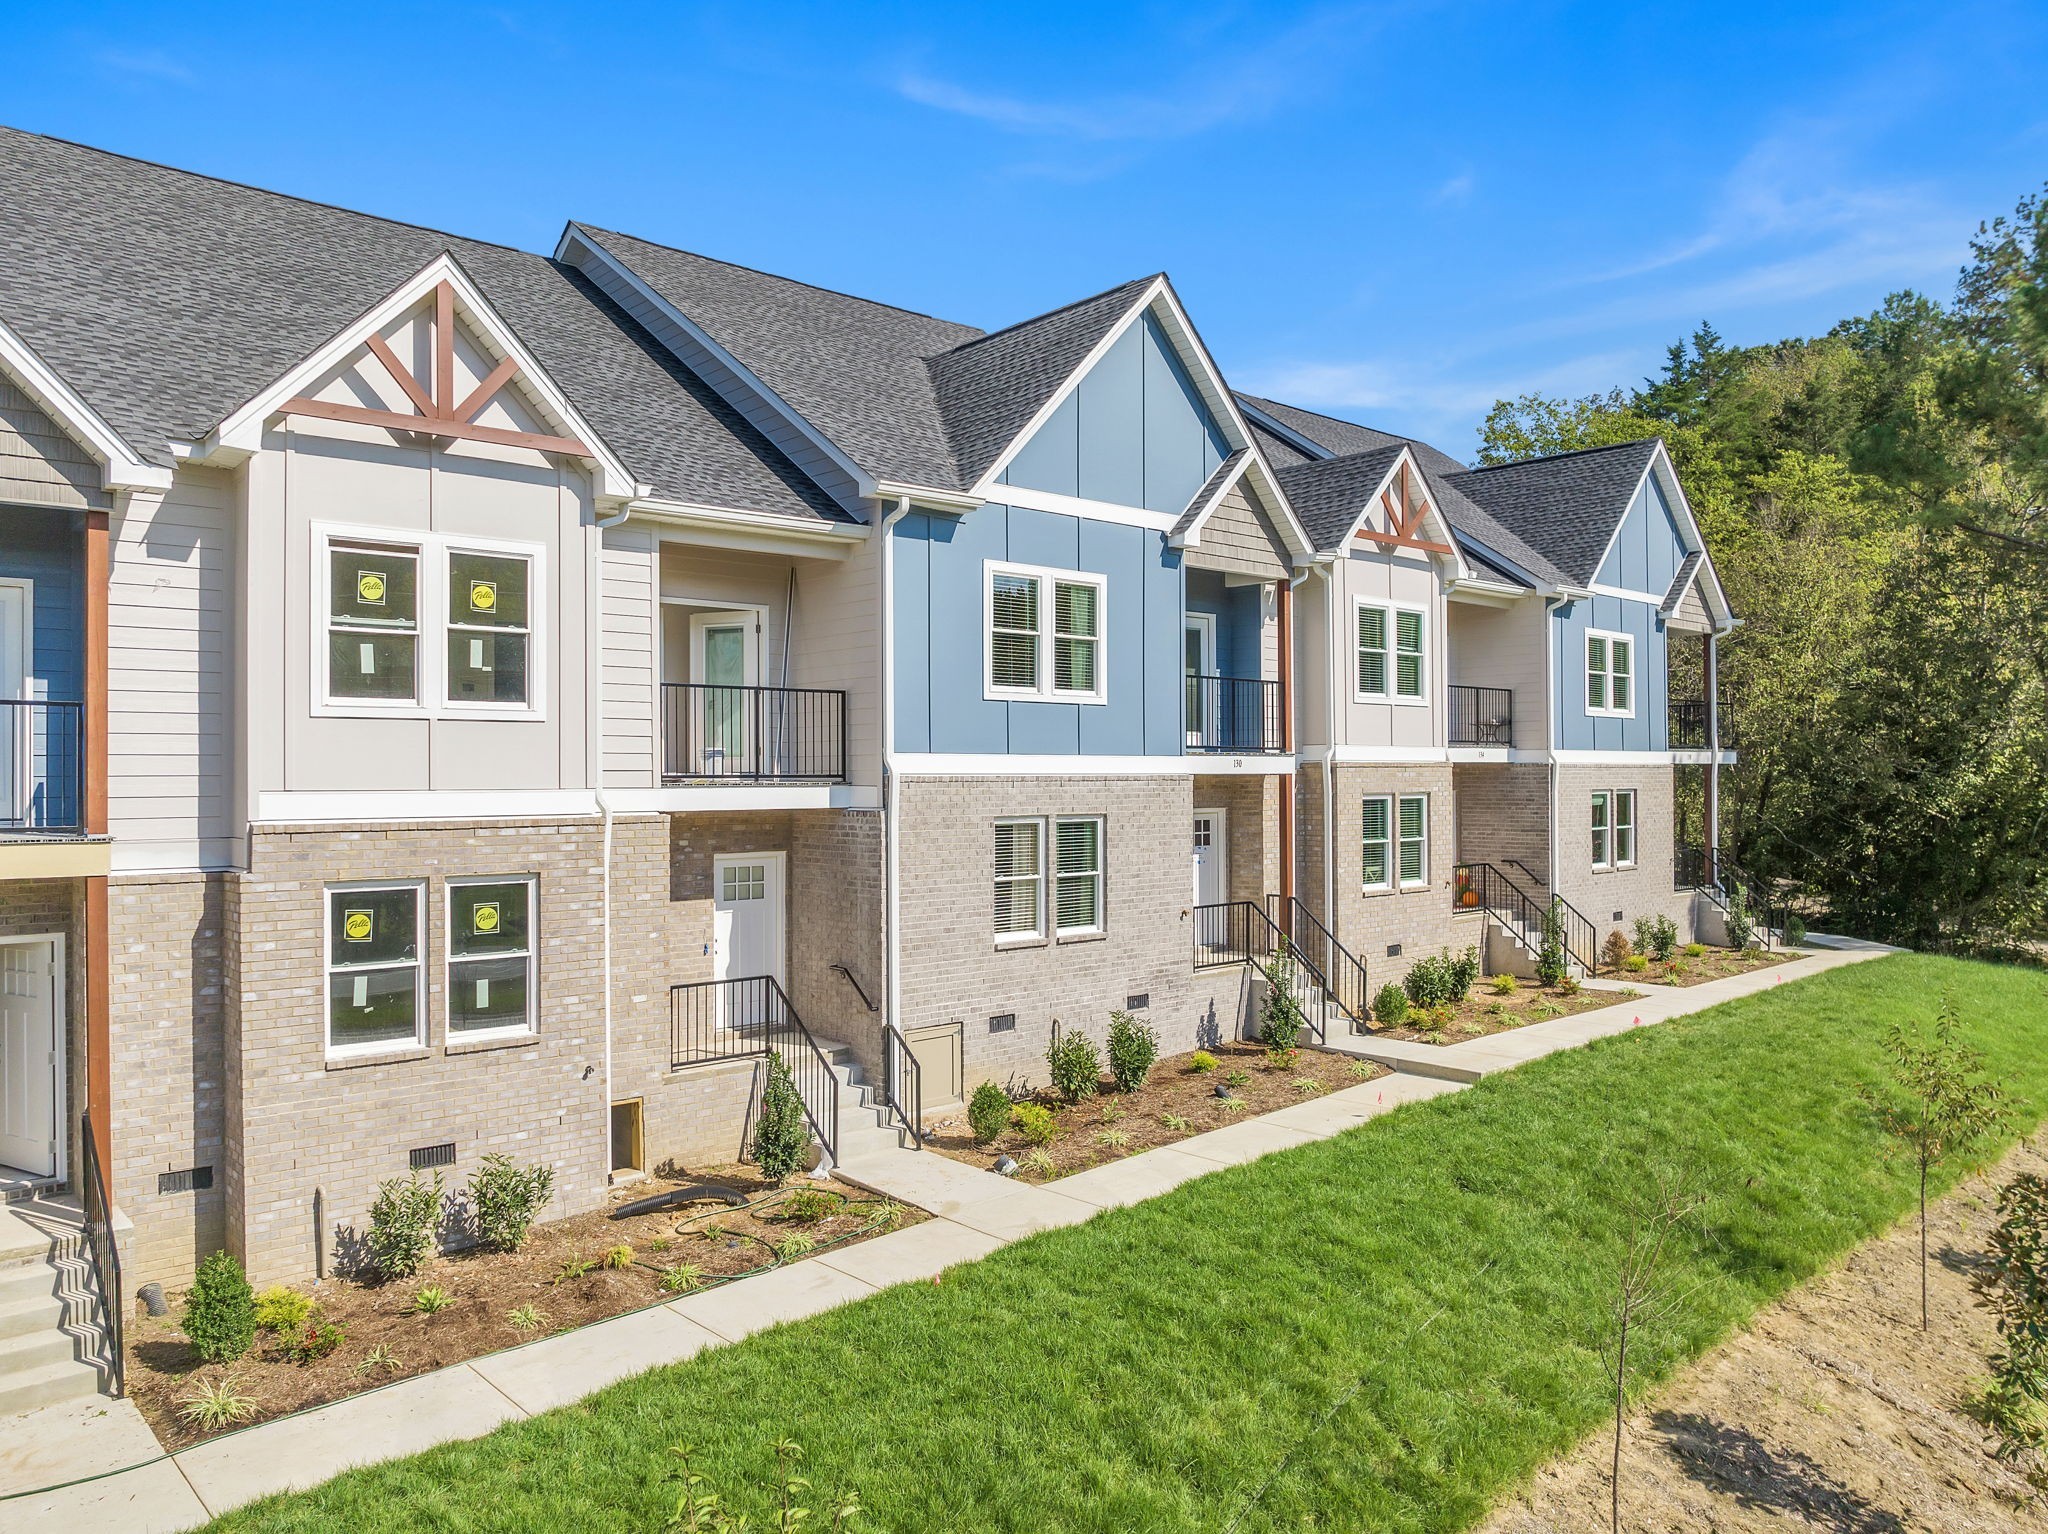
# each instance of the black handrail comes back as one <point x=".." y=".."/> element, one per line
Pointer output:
<point x="749" y="1018"/>
<point x="1240" y="932"/>
<point x="105" y="1251"/>
<point x="1686" y="724"/>
<point x="1482" y="887"/>
<point x="1717" y="876"/>
<point x="42" y="766"/>
<point x="858" y="989"/>
<point x="1344" y="969"/>
<point x="1482" y="716"/>
<point x="752" y="733"/>
<point x="903" y="1083"/>
<point x="1233" y="714"/>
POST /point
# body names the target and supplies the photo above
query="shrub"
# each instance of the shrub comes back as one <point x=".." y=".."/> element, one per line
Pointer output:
<point x="1075" y="1064"/>
<point x="1695" y="950"/>
<point x="402" y="1220"/>
<point x="807" y="1205"/>
<point x="431" y="1300"/>
<point x="1502" y="984"/>
<point x="1464" y="971"/>
<point x="279" y="1309"/>
<point x="505" y="1198"/>
<point x="1617" y="951"/>
<point x="2014" y="1286"/>
<point x="1569" y="986"/>
<point x="1201" y="1060"/>
<point x="320" y="1338"/>
<point x="782" y="1136"/>
<point x="619" y="1258"/>
<point x="1636" y="963"/>
<point x="220" y="1310"/>
<point x="1656" y="936"/>
<point x="1133" y="1048"/>
<point x="1281" y="1059"/>
<point x="988" y="1110"/>
<point x="1035" y="1123"/>
<point x="1795" y="932"/>
<point x="1741" y="928"/>
<point x="1429" y="980"/>
<point x="217" y="1404"/>
<point x="1552" y="963"/>
<point x="1390" y="1006"/>
<point x="1280" y="1019"/>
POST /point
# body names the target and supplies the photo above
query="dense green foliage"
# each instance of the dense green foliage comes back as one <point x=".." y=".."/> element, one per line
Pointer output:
<point x="220" y="1310"/>
<point x="1414" y="1327"/>
<point x="1876" y="500"/>
<point x="988" y="1111"/>
<point x="505" y="1199"/>
<point x="403" y="1217"/>
<point x="1074" y="1063"/>
<point x="1133" y="1048"/>
<point x="782" y="1136"/>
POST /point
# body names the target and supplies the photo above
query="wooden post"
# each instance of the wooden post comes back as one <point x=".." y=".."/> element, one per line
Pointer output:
<point x="1284" y="605"/>
<point x="99" y="1074"/>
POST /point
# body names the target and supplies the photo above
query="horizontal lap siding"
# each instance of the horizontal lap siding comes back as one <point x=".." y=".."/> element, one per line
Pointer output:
<point x="628" y="571"/>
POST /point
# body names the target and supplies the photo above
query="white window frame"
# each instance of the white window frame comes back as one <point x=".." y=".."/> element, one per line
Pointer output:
<point x="1601" y="822"/>
<point x="329" y="969"/>
<point x="1392" y="838"/>
<point x="1422" y="879"/>
<point x="1048" y="689"/>
<point x="1099" y="878"/>
<point x="1610" y="637"/>
<point x="449" y="960"/>
<point x="1393" y="694"/>
<point x="1038" y="881"/>
<point x="433" y="625"/>
<point x="1608" y="823"/>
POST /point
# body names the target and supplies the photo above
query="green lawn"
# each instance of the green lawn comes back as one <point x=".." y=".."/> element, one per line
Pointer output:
<point x="1446" y="1267"/>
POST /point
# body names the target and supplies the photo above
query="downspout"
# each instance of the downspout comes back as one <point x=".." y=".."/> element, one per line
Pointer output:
<point x="1711" y="817"/>
<point x="1288" y="729"/>
<point x="1555" y="725"/>
<point x="595" y="669"/>
<point x="892" y="979"/>
<point x="1330" y="750"/>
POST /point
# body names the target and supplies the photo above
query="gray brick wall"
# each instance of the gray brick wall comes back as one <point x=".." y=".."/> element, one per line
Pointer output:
<point x="1644" y="890"/>
<point x="1251" y="808"/>
<point x="1504" y="819"/>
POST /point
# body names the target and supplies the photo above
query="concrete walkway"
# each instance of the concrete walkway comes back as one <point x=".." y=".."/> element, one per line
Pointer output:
<point x="974" y="1213"/>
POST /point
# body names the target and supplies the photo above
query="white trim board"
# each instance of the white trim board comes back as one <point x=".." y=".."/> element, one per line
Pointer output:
<point x="765" y="796"/>
<point x="120" y="468"/>
<point x="294" y="806"/>
<point x="944" y="765"/>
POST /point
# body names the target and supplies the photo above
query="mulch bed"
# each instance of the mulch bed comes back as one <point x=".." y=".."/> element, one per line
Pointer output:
<point x="1136" y="1121"/>
<point x="558" y="1272"/>
<point x="1682" y="969"/>
<point x="1482" y="1012"/>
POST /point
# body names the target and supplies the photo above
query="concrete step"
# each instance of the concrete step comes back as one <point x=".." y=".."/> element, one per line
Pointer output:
<point x="25" y="1354"/>
<point x="47" y="1384"/>
<point x="20" y="1316"/>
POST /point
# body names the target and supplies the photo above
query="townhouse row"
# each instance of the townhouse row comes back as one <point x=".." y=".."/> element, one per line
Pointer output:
<point x="465" y="701"/>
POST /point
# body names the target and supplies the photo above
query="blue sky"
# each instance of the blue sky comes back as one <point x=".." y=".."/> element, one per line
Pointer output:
<point x="1394" y="212"/>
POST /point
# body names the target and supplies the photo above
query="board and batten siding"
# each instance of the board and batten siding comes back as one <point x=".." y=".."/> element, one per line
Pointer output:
<point x="171" y="676"/>
<point x="1647" y="548"/>
<point x="1578" y="730"/>
<point x="40" y="464"/>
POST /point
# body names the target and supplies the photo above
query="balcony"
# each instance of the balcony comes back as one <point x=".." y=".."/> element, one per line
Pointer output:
<point x="42" y="769"/>
<point x="1235" y="716"/>
<point x="725" y="734"/>
<point x="1482" y="716"/>
<point x="1688" y="726"/>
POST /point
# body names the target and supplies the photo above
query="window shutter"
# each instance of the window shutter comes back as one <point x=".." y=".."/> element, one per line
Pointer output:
<point x="1372" y="650"/>
<point x="1408" y="659"/>
<point x="1013" y="640"/>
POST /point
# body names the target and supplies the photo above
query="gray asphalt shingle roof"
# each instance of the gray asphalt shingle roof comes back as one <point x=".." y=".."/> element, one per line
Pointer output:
<point x="1210" y="487"/>
<point x="169" y="299"/>
<point x="1328" y="495"/>
<point x="1687" y="569"/>
<point x="1567" y="505"/>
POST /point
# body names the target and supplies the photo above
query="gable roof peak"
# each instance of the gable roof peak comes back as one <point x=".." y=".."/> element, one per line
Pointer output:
<point x="1049" y="314"/>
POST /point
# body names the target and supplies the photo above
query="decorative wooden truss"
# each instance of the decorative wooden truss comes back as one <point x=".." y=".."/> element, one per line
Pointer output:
<point x="440" y="413"/>
<point x="1405" y="516"/>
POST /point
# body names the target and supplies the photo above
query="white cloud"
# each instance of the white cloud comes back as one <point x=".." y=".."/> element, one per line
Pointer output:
<point x="1455" y="192"/>
<point x="1232" y="85"/>
<point x="148" y="63"/>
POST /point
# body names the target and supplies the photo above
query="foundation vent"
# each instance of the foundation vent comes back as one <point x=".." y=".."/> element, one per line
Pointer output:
<point x="1393" y="950"/>
<point x="1617" y="916"/>
<point x="433" y="1155"/>
<point x="1003" y="1022"/>
<point x="193" y="1179"/>
<point x="1137" y="1001"/>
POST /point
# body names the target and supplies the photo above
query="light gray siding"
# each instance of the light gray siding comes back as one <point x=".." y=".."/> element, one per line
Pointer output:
<point x="628" y="615"/>
<point x="39" y="464"/>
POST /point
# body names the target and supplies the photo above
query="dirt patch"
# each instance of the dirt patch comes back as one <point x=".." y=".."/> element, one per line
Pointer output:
<point x="1683" y="969"/>
<point x="1832" y="1411"/>
<point x="1489" y="1010"/>
<point x="1177" y="1100"/>
<point x="560" y="1273"/>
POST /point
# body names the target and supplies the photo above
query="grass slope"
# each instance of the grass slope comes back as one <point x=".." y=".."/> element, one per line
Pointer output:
<point x="1446" y="1267"/>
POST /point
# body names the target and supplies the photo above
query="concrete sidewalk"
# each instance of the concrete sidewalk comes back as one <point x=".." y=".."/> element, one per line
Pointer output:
<point x="975" y="1213"/>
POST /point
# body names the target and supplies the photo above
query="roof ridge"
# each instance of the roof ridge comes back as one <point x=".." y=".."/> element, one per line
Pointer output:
<point x="1033" y="319"/>
<point x="266" y="191"/>
<point x="1576" y="452"/>
<point x="795" y="282"/>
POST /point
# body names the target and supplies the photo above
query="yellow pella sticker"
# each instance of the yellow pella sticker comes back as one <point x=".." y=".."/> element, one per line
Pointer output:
<point x="483" y="596"/>
<point x="483" y="918"/>
<point x="357" y="926"/>
<point x="370" y="587"/>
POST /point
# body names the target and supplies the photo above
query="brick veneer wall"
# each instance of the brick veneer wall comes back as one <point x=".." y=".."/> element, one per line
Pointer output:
<point x="167" y="1022"/>
<point x="1504" y="819"/>
<point x="1644" y="890"/>
<point x="953" y="970"/>
<point x="1251" y="810"/>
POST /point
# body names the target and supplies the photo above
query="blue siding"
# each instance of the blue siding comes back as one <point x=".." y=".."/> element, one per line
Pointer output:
<point x="1648" y="549"/>
<point x="1135" y="431"/>
<point x="1576" y="729"/>
<point x="939" y="659"/>
<point x="1238" y="626"/>
<point x="47" y="548"/>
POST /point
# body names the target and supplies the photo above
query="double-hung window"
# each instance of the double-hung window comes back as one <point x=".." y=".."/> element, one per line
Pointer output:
<point x="1614" y="828"/>
<point x="1077" y="871"/>
<point x="1020" y="879"/>
<point x="428" y="624"/>
<point x="1394" y="841"/>
<point x="1610" y="674"/>
<point x="1390" y="660"/>
<point x="373" y="969"/>
<point x="1043" y="634"/>
<point x="490" y="957"/>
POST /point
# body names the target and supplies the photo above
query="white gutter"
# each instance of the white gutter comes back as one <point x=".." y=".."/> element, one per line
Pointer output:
<point x="892" y="982"/>
<point x="1553" y="726"/>
<point x="1330" y="748"/>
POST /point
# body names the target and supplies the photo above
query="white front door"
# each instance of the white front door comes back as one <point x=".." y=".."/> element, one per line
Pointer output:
<point x="1211" y="852"/>
<point x="747" y="933"/>
<point x="725" y="661"/>
<point x="29" y="1067"/>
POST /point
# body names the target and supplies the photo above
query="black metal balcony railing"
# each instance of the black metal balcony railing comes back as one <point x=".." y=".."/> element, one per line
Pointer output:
<point x="1483" y="887"/>
<point x="1482" y="716"/>
<point x="1240" y="932"/>
<point x="1688" y="725"/>
<point x="42" y="767"/>
<point x="1230" y="714"/>
<point x="749" y="1018"/>
<point x="752" y="733"/>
